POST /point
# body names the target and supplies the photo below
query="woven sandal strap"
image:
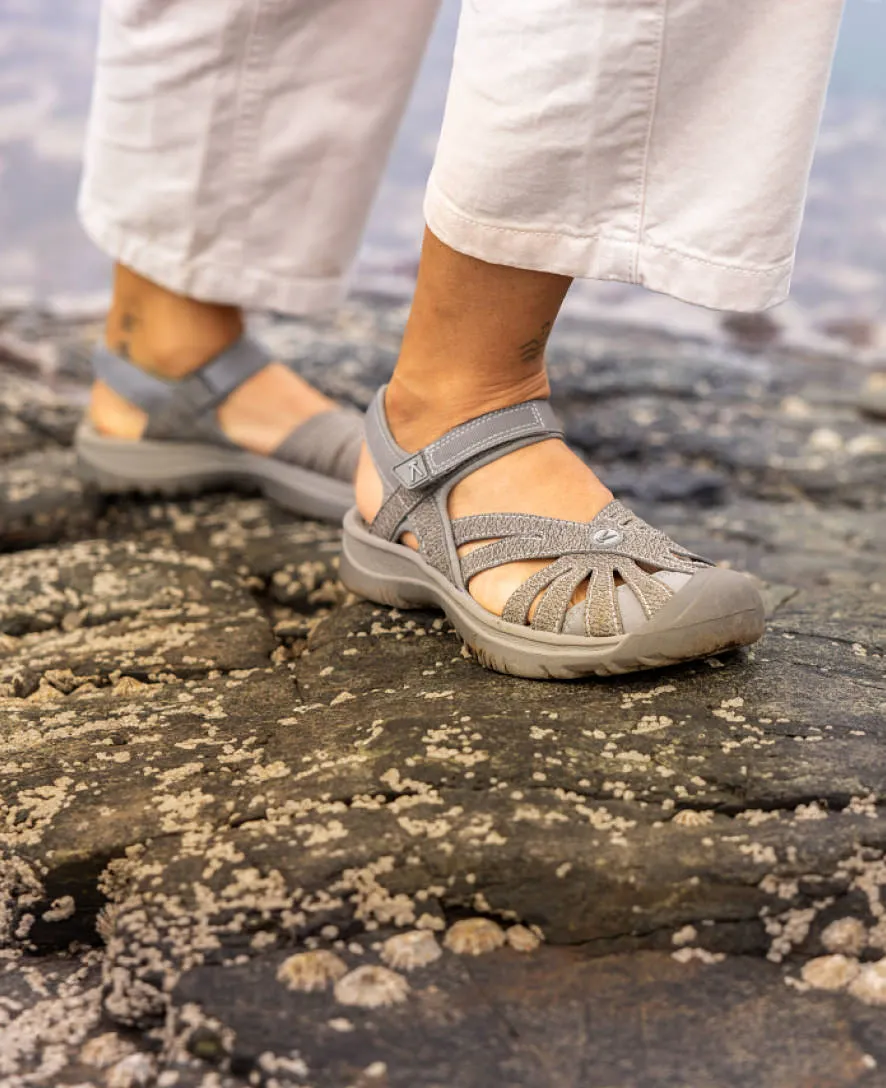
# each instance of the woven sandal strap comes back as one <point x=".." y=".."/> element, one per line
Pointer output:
<point x="569" y="535"/>
<point x="615" y="543"/>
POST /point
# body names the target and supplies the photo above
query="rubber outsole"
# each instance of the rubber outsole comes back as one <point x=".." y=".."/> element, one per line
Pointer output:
<point x="120" y="466"/>
<point x="717" y="610"/>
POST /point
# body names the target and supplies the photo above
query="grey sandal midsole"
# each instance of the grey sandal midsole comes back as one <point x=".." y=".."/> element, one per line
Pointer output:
<point x="119" y="465"/>
<point x="717" y="611"/>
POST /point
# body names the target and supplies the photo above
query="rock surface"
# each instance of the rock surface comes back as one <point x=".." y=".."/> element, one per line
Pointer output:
<point x="211" y="758"/>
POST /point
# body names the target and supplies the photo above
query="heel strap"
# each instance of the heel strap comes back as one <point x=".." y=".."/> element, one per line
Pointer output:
<point x="174" y="405"/>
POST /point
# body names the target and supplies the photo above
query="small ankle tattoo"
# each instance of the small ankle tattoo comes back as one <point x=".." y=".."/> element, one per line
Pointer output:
<point x="129" y="322"/>
<point x="533" y="349"/>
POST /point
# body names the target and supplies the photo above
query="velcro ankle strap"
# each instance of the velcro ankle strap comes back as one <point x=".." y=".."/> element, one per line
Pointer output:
<point x="228" y="370"/>
<point x="173" y="406"/>
<point x="135" y="385"/>
<point x="532" y="419"/>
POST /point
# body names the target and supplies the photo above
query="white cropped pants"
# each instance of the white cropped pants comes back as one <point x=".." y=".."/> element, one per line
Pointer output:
<point x="235" y="146"/>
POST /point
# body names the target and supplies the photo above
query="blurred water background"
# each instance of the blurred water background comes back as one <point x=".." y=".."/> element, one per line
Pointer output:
<point x="46" y="50"/>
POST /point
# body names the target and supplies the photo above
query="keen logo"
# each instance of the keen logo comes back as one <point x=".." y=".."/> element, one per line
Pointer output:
<point x="607" y="538"/>
<point x="412" y="472"/>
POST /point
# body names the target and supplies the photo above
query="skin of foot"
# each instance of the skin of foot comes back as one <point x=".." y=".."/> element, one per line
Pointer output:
<point x="170" y="335"/>
<point x="474" y="343"/>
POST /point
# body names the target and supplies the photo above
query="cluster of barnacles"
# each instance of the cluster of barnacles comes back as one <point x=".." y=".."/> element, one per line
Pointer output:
<point x="373" y="986"/>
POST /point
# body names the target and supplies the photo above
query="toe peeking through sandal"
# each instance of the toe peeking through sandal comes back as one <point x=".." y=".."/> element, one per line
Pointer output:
<point x="649" y="601"/>
<point x="183" y="449"/>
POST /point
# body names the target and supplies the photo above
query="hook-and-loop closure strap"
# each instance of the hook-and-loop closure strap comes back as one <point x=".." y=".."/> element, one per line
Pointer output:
<point x="468" y="441"/>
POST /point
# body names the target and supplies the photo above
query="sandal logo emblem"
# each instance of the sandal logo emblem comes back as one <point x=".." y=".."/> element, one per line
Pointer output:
<point x="607" y="538"/>
<point x="412" y="472"/>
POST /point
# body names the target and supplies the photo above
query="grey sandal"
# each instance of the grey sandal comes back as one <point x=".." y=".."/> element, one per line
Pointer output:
<point x="183" y="449"/>
<point x="649" y="602"/>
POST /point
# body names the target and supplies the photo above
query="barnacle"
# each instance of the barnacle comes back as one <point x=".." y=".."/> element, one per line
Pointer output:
<point x="474" y="936"/>
<point x="406" y="951"/>
<point x="371" y="987"/>
<point x="869" y="985"/>
<point x="830" y="972"/>
<point x="135" y="1071"/>
<point x="128" y="685"/>
<point x="846" y="935"/>
<point x="104" y="1050"/>
<point x="688" y="817"/>
<point x="309" y="971"/>
<point x="522" y="939"/>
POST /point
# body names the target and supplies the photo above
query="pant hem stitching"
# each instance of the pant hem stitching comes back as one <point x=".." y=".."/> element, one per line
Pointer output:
<point x="452" y="209"/>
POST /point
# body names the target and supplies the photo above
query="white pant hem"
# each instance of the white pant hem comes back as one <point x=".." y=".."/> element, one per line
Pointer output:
<point x="210" y="280"/>
<point x="700" y="280"/>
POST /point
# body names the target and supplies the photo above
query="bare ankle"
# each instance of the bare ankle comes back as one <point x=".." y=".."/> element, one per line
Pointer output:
<point x="420" y="411"/>
<point x="164" y="332"/>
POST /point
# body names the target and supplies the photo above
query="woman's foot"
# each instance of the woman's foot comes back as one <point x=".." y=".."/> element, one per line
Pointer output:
<point x="605" y="592"/>
<point x="171" y="336"/>
<point x="185" y="403"/>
